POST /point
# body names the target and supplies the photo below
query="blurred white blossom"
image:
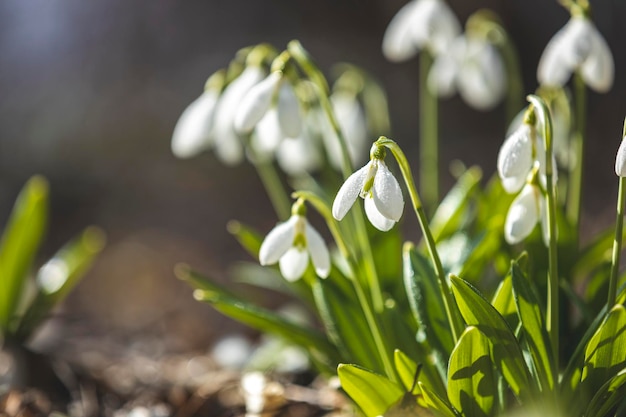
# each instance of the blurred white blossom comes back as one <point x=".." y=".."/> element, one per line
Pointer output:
<point x="193" y="131"/>
<point x="528" y="208"/>
<point x="353" y="124"/>
<point x="620" y="160"/>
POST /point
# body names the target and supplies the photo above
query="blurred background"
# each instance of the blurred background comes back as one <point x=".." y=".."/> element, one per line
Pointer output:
<point x="90" y="93"/>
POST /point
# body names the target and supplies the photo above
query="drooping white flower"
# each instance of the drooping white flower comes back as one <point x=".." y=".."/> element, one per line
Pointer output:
<point x="290" y="244"/>
<point x="578" y="46"/>
<point x="473" y="67"/>
<point x="380" y="190"/>
<point x="297" y="156"/>
<point x="193" y="131"/>
<point x="228" y="146"/>
<point x="418" y="25"/>
<point x="528" y="208"/>
<point x="620" y="160"/>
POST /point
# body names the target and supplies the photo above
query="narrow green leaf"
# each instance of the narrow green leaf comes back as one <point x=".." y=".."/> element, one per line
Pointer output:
<point x="453" y="208"/>
<point x="435" y="402"/>
<point x="372" y="392"/>
<point x="247" y="237"/>
<point x="429" y="376"/>
<point x="605" y="354"/>
<point x="608" y="396"/>
<point x="506" y="352"/>
<point x="257" y="317"/>
<point x="59" y="276"/>
<point x="533" y="324"/>
<point x="472" y="389"/>
<point x="422" y="289"/>
<point x="504" y="301"/>
<point x="20" y="242"/>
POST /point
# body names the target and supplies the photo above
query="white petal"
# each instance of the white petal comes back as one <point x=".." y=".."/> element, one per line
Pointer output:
<point x="441" y="24"/>
<point x="522" y="216"/>
<point x="482" y="78"/>
<point x="318" y="250"/>
<point x="349" y="191"/>
<point x="278" y="241"/>
<point x="297" y="156"/>
<point x="227" y="142"/>
<point x="598" y="69"/>
<point x="379" y="221"/>
<point x="513" y="184"/>
<point x="620" y="160"/>
<point x="255" y="102"/>
<point x="515" y="156"/>
<point x="267" y="134"/>
<point x="387" y="194"/>
<point x="192" y="133"/>
<point x="289" y="114"/>
<point x="555" y="67"/>
<point x="293" y="264"/>
<point x="442" y="75"/>
<point x="398" y="44"/>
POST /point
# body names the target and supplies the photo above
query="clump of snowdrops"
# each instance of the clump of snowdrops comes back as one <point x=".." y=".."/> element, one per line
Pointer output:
<point x="496" y="308"/>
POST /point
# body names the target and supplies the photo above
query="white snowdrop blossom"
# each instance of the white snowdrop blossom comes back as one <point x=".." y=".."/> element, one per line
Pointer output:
<point x="473" y="67"/>
<point x="517" y="156"/>
<point x="528" y="208"/>
<point x="228" y="145"/>
<point x="297" y="156"/>
<point x="352" y="122"/>
<point x="276" y="93"/>
<point x="420" y="24"/>
<point x="290" y="244"/>
<point x="577" y="47"/>
<point x="620" y="160"/>
<point x="379" y="188"/>
<point x="193" y="131"/>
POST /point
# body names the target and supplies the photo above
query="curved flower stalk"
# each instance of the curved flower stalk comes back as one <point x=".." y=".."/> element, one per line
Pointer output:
<point x="577" y="47"/>
<point x="473" y="67"/>
<point x="193" y="132"/>
<point x="291" y="243"/>
<point x="378" y="187"/>
<point x="420" y="24"/>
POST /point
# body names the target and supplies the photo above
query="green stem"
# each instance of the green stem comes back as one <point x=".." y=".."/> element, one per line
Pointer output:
<point x="429" y="136"/>
<point x="552" y="318"/>
<point x="274" y="188"/>
<point x="301" y="56"/>
<point x="617" y="243"/>
<point x="375" y="327"/>
<point x="456" y="323"/>
<point x="576" y="169"/>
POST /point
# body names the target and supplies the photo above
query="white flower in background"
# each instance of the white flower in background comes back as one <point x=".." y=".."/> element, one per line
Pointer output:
<point x="352" y="122"/>
<point x="228" y="145"/>
<point x="528" y="208"/>
<point x="274" y="92"/>
<point x="578" y="46"/>
<point x="517" y="156"/>
<point x="380" y="190"/>
<point x="297" y="156"/>
<point x="290" y="244"/>
<point x="420" y="24"/>
<point x="620" y="160"/>
<point x="193" y="131"/>
<point x="473" y="67"/>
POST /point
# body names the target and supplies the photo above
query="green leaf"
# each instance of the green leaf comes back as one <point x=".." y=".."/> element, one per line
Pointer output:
<point x="435" y="402"/>
<point x="608" y="396"/>
<point x="472" y="389"/>
<point x="605" y="354"/>
<point x="504" y="301"/>
<point x="372" y="392"/>
<point x="422" y="289"/>
<point x="20" y="242"/>
<point x="506" y="352"/>
<point x="247" y="237"/>
<point x="429" y="376"/>
<point x="59" y="276"/>
<point x="259" y="318"/>
<point x="533" y="324"/>
<point x="453" y="208"/>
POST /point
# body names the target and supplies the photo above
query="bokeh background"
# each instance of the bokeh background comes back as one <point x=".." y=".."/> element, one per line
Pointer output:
<point x="91" y="90"/>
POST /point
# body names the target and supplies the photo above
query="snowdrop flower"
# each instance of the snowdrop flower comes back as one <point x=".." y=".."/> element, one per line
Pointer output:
<point x="297" y="156"/>
<point x="518" y="154"/>
<point x="290" y="244"/>
<point x="620" y="160"/>
<point x="228" y="145"/>
<point x="474" y="67"/>
<point x="528" y="208"/>
<point x="378" y="187"/>
<point x="578" y="46"/>
<point x="276" y="92"/>
<point x="420" y="24"/>
<point x="193" y="131"/>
